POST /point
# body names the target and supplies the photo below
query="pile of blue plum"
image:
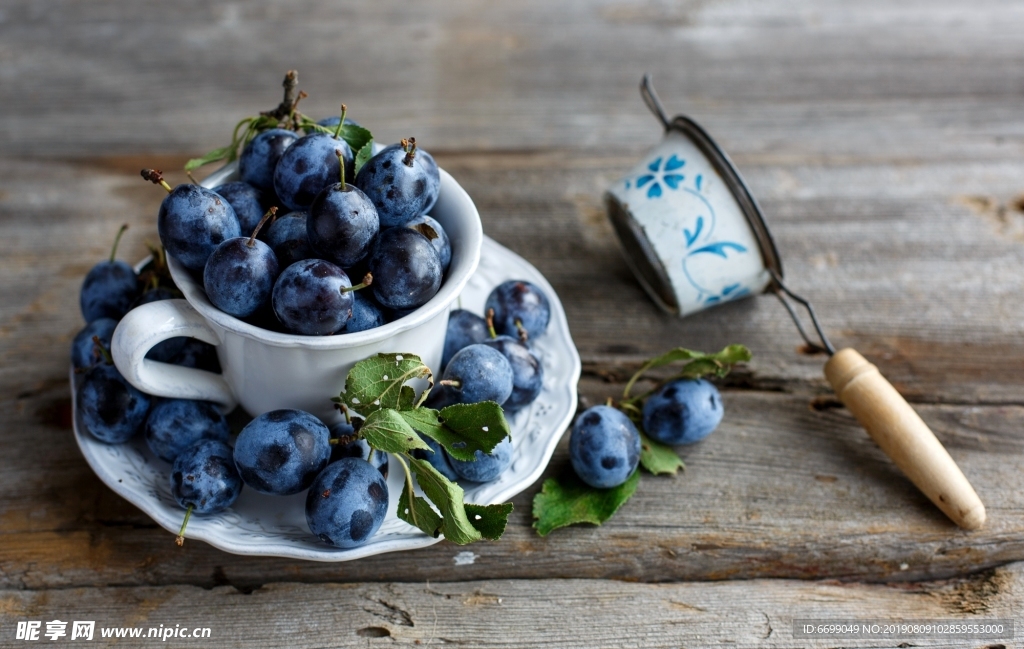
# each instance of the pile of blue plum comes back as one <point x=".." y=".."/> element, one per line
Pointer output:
<point x="490" y="359"/>
<point x="289" y="245"/>
<point x="280" y="452"/>
<point x="279" y="248"/>
<point x="285" y="452"/>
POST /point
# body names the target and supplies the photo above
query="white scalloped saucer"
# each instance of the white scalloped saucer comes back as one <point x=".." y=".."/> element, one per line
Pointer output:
<point x="261" y="525"/>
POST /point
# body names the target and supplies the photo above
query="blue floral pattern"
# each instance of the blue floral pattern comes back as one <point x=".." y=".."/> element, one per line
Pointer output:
<point x="662" y="174"/>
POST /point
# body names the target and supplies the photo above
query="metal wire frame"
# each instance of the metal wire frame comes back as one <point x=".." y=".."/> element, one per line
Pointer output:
<point x="781" y="291"/>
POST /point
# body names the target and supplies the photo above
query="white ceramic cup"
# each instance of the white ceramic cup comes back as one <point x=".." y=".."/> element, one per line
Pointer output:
<point x="265" y="370"/>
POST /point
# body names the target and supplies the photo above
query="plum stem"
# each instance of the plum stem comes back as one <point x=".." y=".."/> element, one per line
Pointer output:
<point x="524" y="335"/>
<point x="295" y="107"/>
<point x="252" y="240"/>
<point x="490" y="323"/>
<point x="117" y="240"/>
<point x="156" y="177"/>
<point x="451" y="383"/>
<point x="286" y="108"/>
<point x="410" y="151"/>
<point x="341" y="166"/>
<point x="104" y="352"/>
<point x="341" y="124"/>
<point x="367" y="280"/>
<point x="181" y="533"/>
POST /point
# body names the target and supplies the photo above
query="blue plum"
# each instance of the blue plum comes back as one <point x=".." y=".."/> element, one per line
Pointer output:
<point x="478" y="373"/>
<point x="433" y="231"/>
<point x="287" y="237"/>
<point x="156" y="295"/>
<point x="308" y="166"/>
<point x="282" y="451"/>
<point x="464" y="329"/>
<point x="166" y="350"/>
<point x="84" y="353"/>
<point x="604" y="447"/>
<point x="347" y="503"/>
<point x="204" y="478"/>
<point x="249" y="203"/>
<point x="439" y="459"/>
<point x="109" y="288"/>
<point x="174" y="425"/>
<point x="113" y="411"/>
<point x="198" y="355"/>
<point x="192" y="222"/>
<point x="259" y="157"/>
<point x="527" y="372"/>
<point x="486" y="466"/>
<point x="365" y="314"/>
<point x="402" y="181"/>
<point x="406" y="269"/>
<point x="683" y="411"/>
<point x="342" y="224"/>
<point x="356" y="448"/>
<point x="240" y="274"/>
<point x="309" y="299"/>
<point x="519" y="301"/>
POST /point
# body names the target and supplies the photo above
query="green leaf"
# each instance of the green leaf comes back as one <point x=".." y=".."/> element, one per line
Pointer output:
<point x="425" y="518"/>
<point x="449" y="498"/>
<point x="457" y="434"/>
<point x="386" y="430"/>
<point x="364" y="153"/>
<point x="357" y="137"/>
<point x="698" y="364"/>
<point x="379" y="382"/>
<point x="571" y="501"/>
<point x="480" y="425"/>
<point x="309" y="126"/>
<point x="489" y="520"/>
<point x="222" y="153"/>
<point x="658" y="458"/>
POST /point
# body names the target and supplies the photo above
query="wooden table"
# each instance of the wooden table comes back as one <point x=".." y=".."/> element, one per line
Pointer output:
<point x="885" y="143"/>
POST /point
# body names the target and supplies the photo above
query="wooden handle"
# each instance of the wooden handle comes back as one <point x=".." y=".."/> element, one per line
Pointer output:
<point x="904" y="437"/>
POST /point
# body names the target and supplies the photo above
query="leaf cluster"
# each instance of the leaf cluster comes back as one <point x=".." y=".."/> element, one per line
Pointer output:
<point x="359" y="139"/>
<point x="395" y="421"/>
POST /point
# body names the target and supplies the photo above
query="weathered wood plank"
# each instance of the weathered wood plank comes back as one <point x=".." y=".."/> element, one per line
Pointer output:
<point x="935" y="80"/>
<point x="780" y="490"/>
<point x="504" y="613"/>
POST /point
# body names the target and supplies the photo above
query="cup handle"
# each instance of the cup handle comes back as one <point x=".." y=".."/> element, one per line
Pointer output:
<point x="145" y="326"/>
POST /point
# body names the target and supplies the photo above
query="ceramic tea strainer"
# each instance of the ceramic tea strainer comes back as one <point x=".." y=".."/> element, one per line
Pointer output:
<point x="695" y="237"/>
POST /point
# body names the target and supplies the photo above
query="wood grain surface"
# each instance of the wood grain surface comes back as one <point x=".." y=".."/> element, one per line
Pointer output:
<point x="884" y="141"/>
<point x="526" y="613"/>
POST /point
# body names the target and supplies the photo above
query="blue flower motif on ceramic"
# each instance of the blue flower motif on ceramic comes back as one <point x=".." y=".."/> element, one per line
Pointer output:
<point x="661" y="174"/>
<point x="698" y="244"/>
